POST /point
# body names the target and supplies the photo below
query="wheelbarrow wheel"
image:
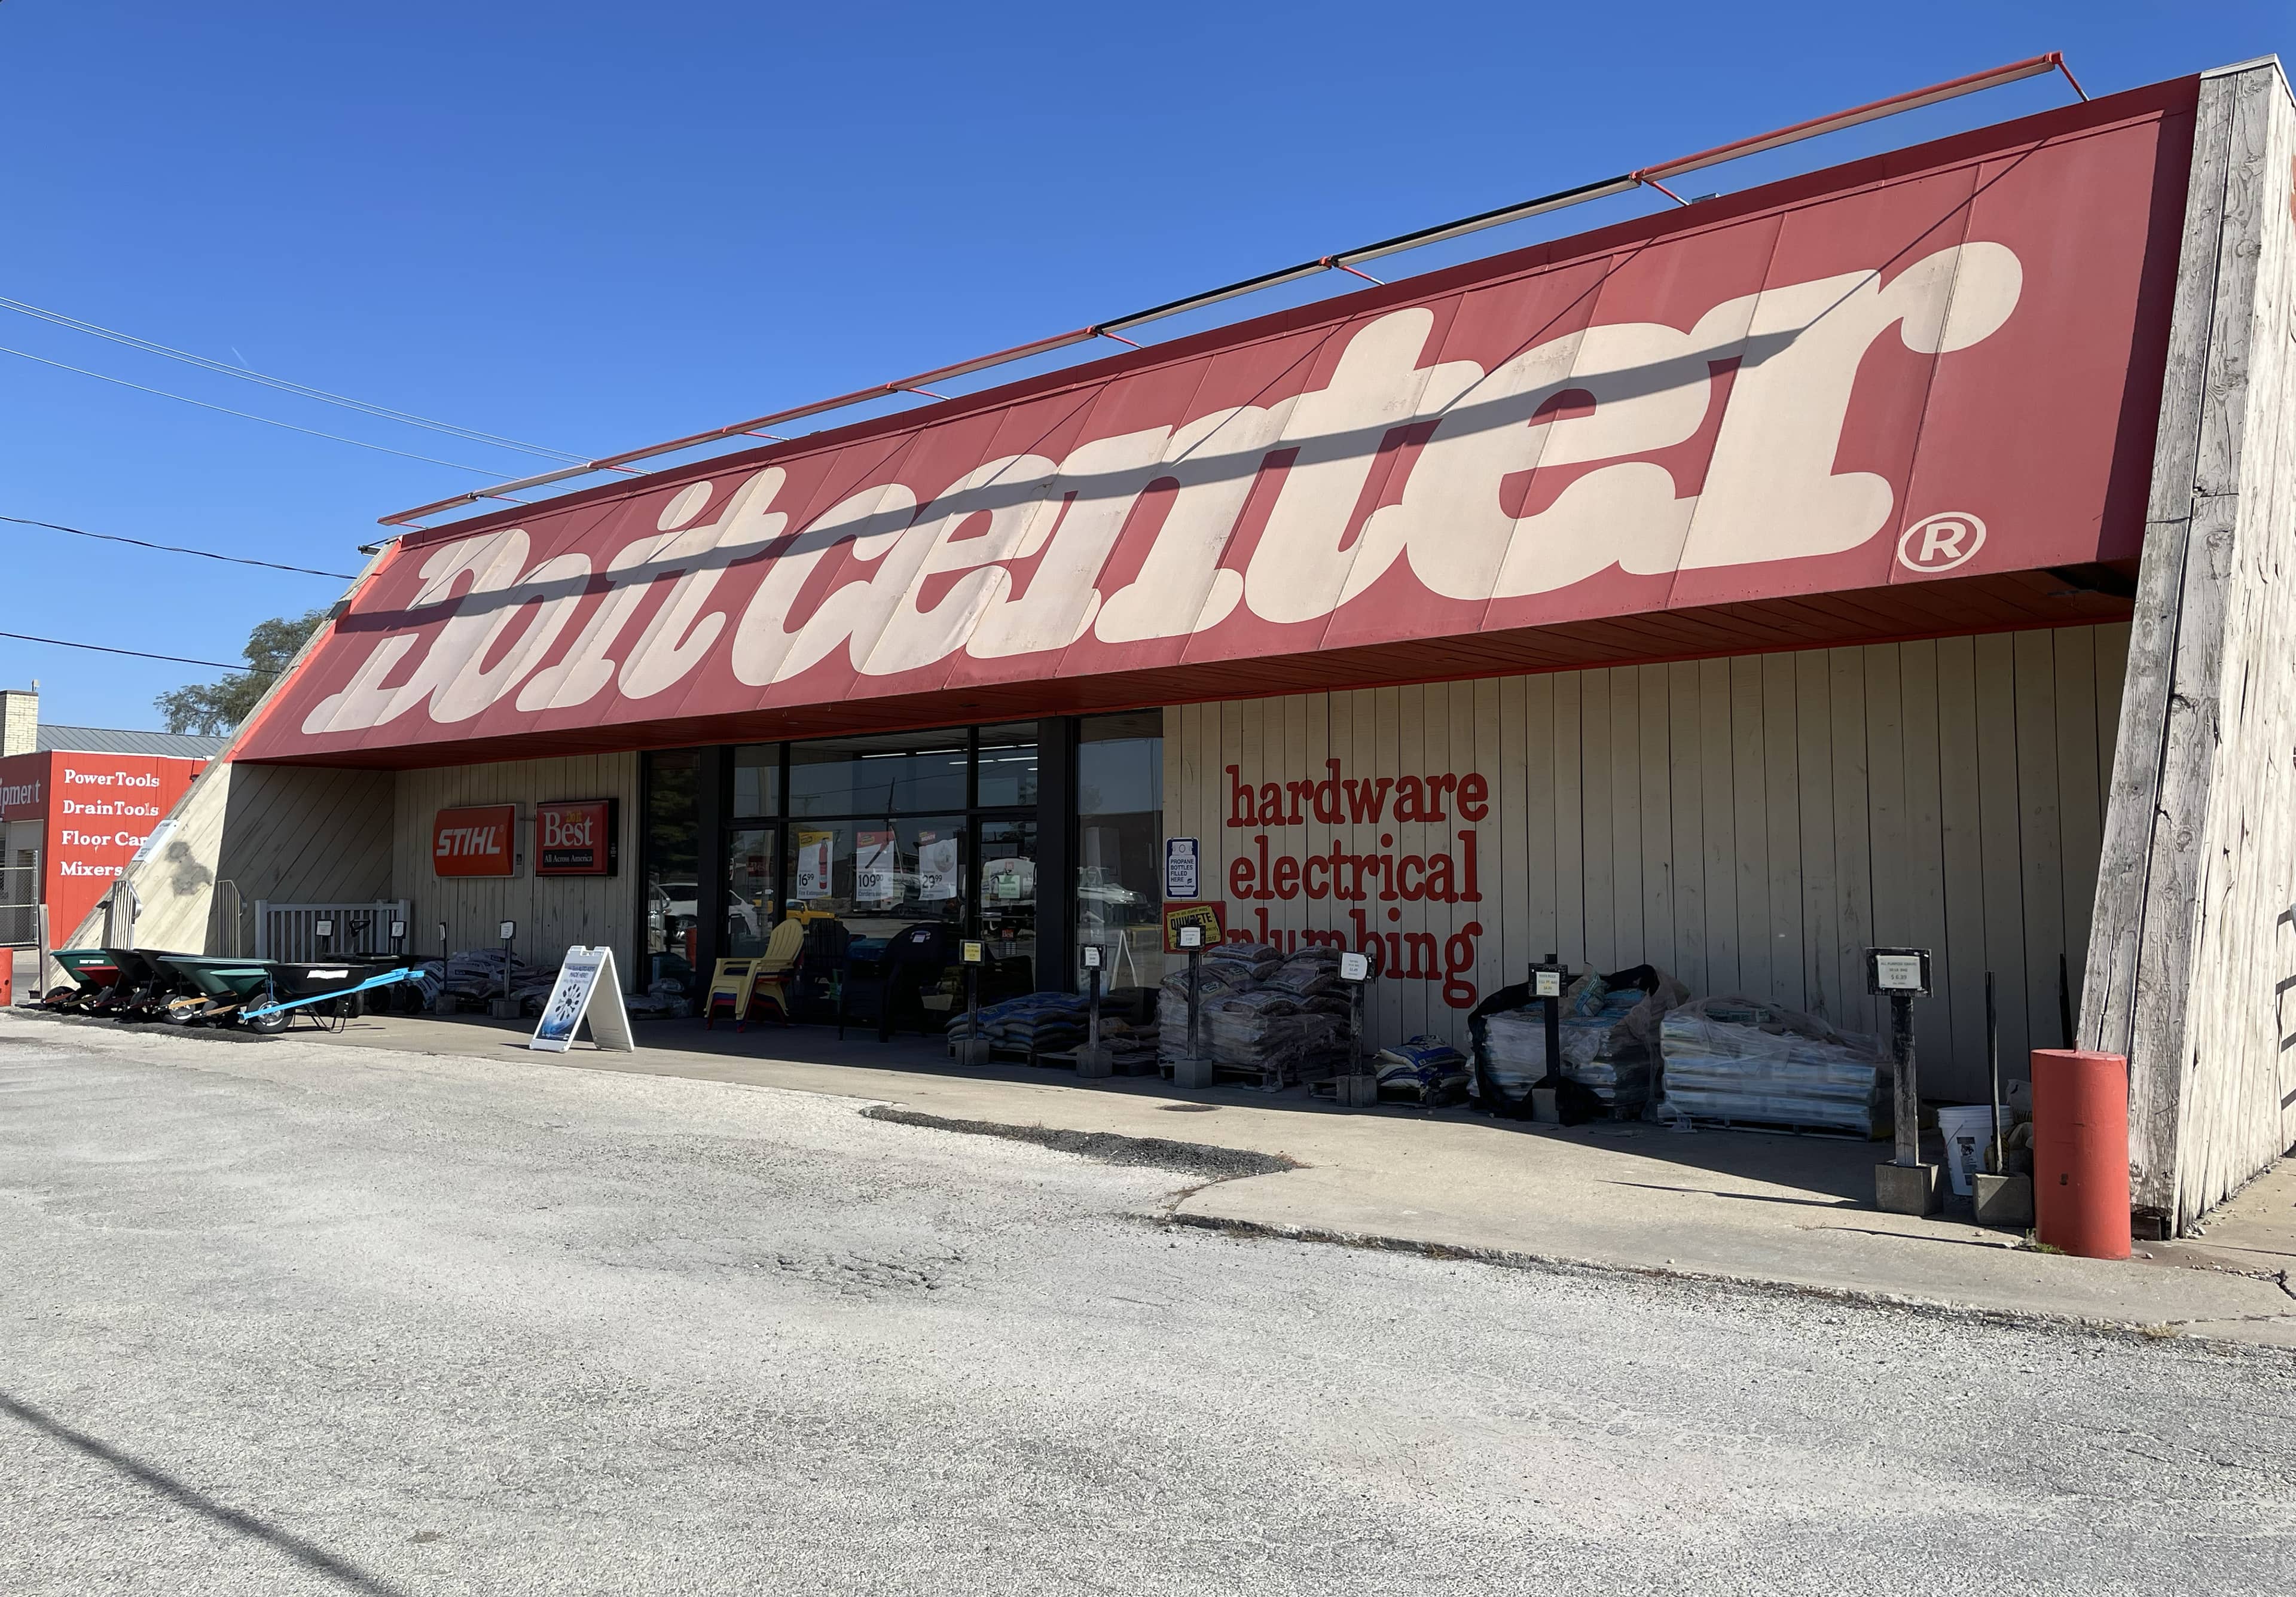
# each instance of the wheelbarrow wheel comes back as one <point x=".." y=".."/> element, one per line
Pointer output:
<point x="267" y="1025"/>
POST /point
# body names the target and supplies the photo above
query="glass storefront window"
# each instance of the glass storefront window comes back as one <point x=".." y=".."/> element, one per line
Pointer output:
<point x="891" y="774"/>
<point x="1120" y="844"/>
<point x="879" y="875"/>
<point x="757" y="780"/>
<point x="1008" y="893"/>
<point x="752" y="908"/>
<point x="1008" y="767"/>
<point x="671" y="847"/>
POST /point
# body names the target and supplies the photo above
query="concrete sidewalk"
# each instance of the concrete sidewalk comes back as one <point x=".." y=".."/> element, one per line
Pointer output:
<point x="1771" y="1209"/>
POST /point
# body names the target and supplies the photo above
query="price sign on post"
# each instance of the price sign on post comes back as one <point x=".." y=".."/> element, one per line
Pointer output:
<point x="1546" y="984"/>
<point x="1092" y="956"/>
<point x="1183" y="876"/>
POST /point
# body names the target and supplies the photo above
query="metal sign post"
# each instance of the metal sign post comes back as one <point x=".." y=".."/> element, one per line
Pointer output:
<point x="398" y="939"/>
<point x="972" y="1048"/>
<point x="1905" y="1185"/>
<point x="505" y="1008"/>
<point x="1195" y="1070"/>
<point x="1357" y="1086"/>
<point x="1547" y="981"/>
<point x="444" y="1003"/>
<point x="1094" y="1060"/>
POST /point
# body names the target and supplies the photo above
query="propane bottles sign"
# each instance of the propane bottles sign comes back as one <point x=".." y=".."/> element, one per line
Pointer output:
<point x="575" y="837"/>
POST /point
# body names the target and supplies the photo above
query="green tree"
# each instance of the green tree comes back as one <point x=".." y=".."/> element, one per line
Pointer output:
<point x="219" y="707"/>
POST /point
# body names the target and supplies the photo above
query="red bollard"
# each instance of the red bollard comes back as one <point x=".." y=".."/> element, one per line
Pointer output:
<point x="2080" y="1152"/>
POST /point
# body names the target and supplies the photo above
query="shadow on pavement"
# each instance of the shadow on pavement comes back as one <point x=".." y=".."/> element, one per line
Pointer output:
<point x="166" y="1486"/>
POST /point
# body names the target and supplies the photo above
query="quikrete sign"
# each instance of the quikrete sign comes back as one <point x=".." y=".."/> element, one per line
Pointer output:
<point x="575" y="837"/>
<point x="477" y="840"/>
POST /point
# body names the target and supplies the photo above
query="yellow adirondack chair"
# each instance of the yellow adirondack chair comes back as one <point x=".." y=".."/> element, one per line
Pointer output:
<point x="770" y="973"/>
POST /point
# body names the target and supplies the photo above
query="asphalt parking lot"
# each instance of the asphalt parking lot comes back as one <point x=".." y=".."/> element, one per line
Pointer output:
<point x="283" y="1318"/>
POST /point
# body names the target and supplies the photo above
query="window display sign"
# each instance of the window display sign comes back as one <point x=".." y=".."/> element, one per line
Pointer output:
<point x="876" y="866"/>
<point x="475" y="841"/>
<point x="813" y="864"/>
<point x="937" y="866"/>
<point x="575" y="837"/>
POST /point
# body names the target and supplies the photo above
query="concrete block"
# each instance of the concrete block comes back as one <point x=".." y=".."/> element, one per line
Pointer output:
<point x="1544" y="1109"/>
<point x="970" y="1051"/>
<point x="1354" y="1092"/>
<point x="503" y="1009"/>
<point x="1093" y="1063"/>
<point x="2003" y="1199"/>
<point x="1906" y="1188"/>
<point x="1195" y="1073"/>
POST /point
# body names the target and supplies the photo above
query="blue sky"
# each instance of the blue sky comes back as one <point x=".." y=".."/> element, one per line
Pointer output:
<point x="592" y="227"/>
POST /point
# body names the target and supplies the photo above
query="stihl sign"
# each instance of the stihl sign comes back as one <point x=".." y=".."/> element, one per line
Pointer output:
<point x="481" y="840"/>
<point x="1877" y="383"/>
<point x="575" y="837"/>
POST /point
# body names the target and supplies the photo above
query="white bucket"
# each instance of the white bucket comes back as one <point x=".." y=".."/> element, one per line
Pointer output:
<point x="1967" y="1130"/>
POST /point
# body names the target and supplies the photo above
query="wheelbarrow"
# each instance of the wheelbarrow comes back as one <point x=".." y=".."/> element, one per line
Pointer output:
<point x="321" y="991"/>
<point x="94" y="974"/>
<point x="218" y="986"/>
<point x="144" y="987"/>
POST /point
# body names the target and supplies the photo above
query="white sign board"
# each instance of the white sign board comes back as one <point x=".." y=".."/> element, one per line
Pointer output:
<point x="586" y="987"/>
<point x="875" y="865"/>
<point x="1546" y="984"/>
<point x="1191" y="937"/>
<point x="1182" y="877"/>
<point x="1897" y="972"/>
<point x="1355" y="967"/>
<point x="1092" y="956"/>
<point x="938" y="866"/>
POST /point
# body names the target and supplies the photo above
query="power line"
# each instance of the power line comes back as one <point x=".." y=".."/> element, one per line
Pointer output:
<point x="236" y="560"/>
<point x="242" y="668"/>
<point x="247" y="375"/>
<point x="248" y="415"/>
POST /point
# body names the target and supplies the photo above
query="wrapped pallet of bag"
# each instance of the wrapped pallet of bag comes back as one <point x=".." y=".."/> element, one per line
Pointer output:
<point x="1610" y="1033"/>
<point x="1746" y="1062"/>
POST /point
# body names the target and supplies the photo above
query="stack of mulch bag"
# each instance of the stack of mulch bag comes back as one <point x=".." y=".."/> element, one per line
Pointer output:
<point x="1033" y="1023"/>
<point x="1285" y="1017"/>
<point x="473" y="978"/>
<point x="1425" y="1069"/>
<point x="1609" y="1030"/>
<point x="1743" y="1060"/>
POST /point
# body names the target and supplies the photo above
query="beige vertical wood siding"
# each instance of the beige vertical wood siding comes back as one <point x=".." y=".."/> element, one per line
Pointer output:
<point x="1750" y="824"/>
<point x="553" y="912"/>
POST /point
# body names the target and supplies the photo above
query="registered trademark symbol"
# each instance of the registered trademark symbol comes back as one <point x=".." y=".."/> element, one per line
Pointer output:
<point x="1942" y="542"/>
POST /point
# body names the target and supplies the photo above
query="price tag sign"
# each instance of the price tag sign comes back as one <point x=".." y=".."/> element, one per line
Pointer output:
<point x="323" y="928"/>
<point x="1355" y="967"/>
<point x="973" y="953"/>
<point x="1546" y="984"/>
<point x="1898" y="971"/>
<point x="1092" y="956"/>
<point x="509" y="931"/>
<point x="398" y="929"/>
<point x="1191" y="937"/>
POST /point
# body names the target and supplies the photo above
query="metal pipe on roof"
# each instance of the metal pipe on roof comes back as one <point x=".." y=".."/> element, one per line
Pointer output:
<point x="1442" y="232"/>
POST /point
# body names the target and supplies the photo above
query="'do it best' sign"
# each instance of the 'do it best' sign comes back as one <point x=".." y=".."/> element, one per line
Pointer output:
<point x="476" y="840"/>
<point x="574" y="837"/>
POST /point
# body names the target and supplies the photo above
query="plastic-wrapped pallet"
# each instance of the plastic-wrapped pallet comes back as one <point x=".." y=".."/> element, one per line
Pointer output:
<point x="1422" y="1069"/>
<point x="1740" y="1060"/>
<point x="1041" y="1022"/>
<point x="1172" y="1003"/>
<point x="1609" y="1037"/>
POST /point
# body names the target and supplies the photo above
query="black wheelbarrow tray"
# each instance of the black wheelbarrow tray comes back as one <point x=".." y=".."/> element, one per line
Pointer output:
<point x="325" y="991"/>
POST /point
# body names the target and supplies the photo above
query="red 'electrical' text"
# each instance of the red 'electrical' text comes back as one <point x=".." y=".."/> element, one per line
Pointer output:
<point x="1345" y="876"/>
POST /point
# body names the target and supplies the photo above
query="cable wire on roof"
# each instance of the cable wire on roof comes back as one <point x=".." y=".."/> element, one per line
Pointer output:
<point x="242" y="668"/>
<point x="249" y="415"/>
<point x="236" y="560"/>
<point x="247" y="375"/>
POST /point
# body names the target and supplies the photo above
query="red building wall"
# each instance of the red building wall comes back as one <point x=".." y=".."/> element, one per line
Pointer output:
<point x="95" y="810"/>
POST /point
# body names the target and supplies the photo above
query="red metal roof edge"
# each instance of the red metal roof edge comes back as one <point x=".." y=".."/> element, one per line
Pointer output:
<point x="2167" y="97"/>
